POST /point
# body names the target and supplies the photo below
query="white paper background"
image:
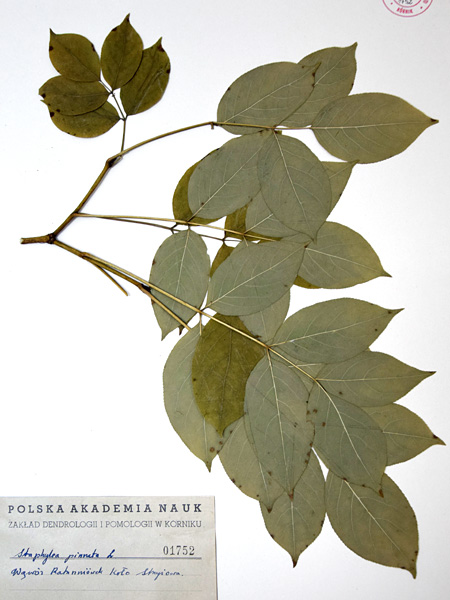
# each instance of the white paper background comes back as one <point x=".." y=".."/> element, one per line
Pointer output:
<point x="82" y="364"/>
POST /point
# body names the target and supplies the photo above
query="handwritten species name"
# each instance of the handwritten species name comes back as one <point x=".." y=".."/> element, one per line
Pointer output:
<point x="43" y="556"/>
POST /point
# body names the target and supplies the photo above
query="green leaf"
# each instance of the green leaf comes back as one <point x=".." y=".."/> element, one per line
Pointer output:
<point x="333" y="79"/>
<point x="199" y="436"/>
<point x="180" y="204"/>
<point x="406" y="434"/>
<point x="244" y="469"/>
<point x="74" y="56"/>
<point x="70" y="98"/>
<point x="295" y="523"/>
<point x="369" y="127"/>
<point x="370" y="379"/>
<point x="332" y="331"/>
<point x="149" y="83"/>
<point x="339" y="174"/>
<point x="181" y="267"/>
<point x="304" y="284"/>
<point x="226" y="179"/>
<point x="265" y="324"/>
<point x="222" y="254"/>
<point x="276" y="421"/>
<point x="222" y="363"/>
<point x="265" y="96"/>
<point x="254" y="277"/>
<point x="294" y="184"/>
<point x="88" y="125"/>
<point x="339" y="258"/>
<point x="260" y="219"/>
<point x="121" y="54"/>
<point x="235" y="221"/>
<point x="382" y="529"/>
<point x="349" y="442"/>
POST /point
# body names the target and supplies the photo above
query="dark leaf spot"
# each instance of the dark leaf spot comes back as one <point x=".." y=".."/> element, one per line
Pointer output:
<point x="50" y="48"/>
<point x="323" y="423"/>
<point x="212" y="449"/>
<point x="52" y="114"/>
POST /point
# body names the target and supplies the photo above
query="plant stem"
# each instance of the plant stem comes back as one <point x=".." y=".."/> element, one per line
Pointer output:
<point x="138" y="219"/>
<point x="146" y="286"/>
<point x="113" y="160"/>
<point x="109" y="268"/>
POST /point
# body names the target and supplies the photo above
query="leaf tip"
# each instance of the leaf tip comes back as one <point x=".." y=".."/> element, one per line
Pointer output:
<point x="434" y="121"/>
<point x="413" y="571"/>
<point x="294" y="562"/>
<point x="438" y="441"/>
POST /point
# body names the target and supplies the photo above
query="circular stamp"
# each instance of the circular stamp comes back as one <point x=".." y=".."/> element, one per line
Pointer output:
<point x="407" y="8"/>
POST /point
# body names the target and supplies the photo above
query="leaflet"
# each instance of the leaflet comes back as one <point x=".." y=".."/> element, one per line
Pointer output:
<point x="90" y="548"/>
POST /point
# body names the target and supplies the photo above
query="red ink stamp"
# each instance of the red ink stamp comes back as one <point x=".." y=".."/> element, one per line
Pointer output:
<point x="407" y="8"/>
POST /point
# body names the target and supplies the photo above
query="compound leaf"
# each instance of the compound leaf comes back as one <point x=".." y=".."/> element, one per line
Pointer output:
<point x="294" y="184"/>
<point x="149" y="83"/>
<point x="265" y="323"/>
<point x="333" y="79"/>
<point x="349" y="442"/>
<point x="70" y="97"/>
<point x="181" y="267"/>
<point x="242" y="466"/>
<point x="254" y="277"/>
<point x="406" y="434"/>
<point x="370" y="379"/>
<point x="369" y="127"/>
<point x="276" y="421"/>
<point x="339" y="258"/>
<point x="382" y="529"/>
<point x="226" y="179"/>
<point x="199" y="436"/>
<point x="222" y="362"/>
<point x="74" y="56"/>
<point x="88" y="125"/>
<point x="265" y="96"/>
<point x="121" y="54"/>
<point x="332" y="331"/>
<point x="294" y="523"/>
